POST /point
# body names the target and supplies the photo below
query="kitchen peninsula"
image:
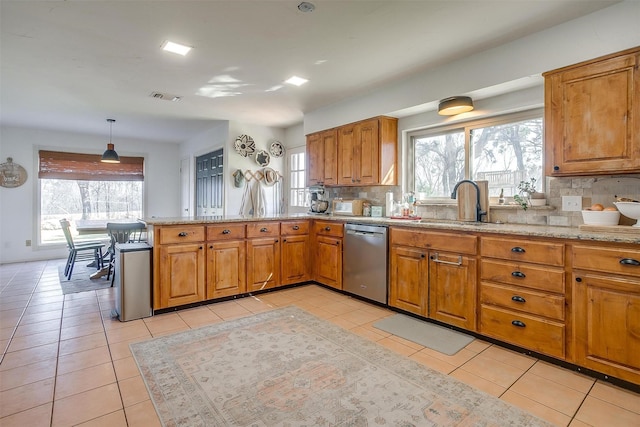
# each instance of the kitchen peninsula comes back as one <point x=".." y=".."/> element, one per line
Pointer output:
<point x="557" y="291"/>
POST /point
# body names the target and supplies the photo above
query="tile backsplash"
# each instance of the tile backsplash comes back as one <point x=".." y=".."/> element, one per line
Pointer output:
<point x="592" y="189"/>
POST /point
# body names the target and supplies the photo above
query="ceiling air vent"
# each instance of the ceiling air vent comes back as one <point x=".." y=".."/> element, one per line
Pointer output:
<point x="165" y="96"/>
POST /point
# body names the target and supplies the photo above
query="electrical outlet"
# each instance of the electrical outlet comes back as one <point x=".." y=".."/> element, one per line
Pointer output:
<point x="27" y="243"/>
<point x="571" y="203"/>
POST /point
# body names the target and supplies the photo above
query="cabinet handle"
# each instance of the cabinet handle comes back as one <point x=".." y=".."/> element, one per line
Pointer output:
<point x="629" y="261"/>
<point x="578" y="279"/>
<point x="284" y="240"/>
<point x="183" y="234"/>
<point x="200" y="247"/>
<point x="422" y="255"/>
<point x="434" y="257"/>
<point x="518" y="323"/>
<point x="338" y="242"/>
<point x="327" y="228"/>
<point x="295" y="227"/>
<point x="226" y="231"/>
<point x="211" y="247"/>
<point x="518" y="249"/>
<point x="519" y="274"/>
<point x="264" y="229"/>
<point x="277" y="240"/>
<point x="518" y="298"/>
<point x="556" y="168"/>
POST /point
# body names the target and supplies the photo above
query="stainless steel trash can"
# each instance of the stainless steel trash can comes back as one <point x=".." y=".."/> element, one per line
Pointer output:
<point x="133" y="281"/>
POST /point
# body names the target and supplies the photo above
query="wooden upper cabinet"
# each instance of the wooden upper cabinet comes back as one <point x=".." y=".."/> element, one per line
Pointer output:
<point x="367" y="152"/>
<point x="361" y="153"/>
<point x="592" y="123"/>
<point x="322" y="162"/>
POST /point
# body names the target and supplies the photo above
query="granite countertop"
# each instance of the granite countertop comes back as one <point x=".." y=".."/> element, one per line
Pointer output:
<point x="432" y="224"/>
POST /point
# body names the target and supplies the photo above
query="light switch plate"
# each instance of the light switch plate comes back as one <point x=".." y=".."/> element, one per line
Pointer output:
<point x="571" y="203"/>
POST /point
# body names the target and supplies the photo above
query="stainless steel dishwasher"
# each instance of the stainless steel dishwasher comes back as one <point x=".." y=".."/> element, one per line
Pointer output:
<point x="365" y="255"/>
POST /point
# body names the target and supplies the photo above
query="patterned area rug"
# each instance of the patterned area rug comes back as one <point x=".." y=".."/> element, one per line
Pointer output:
<point x="80" y="281"/>
<point x="289" y="368"/>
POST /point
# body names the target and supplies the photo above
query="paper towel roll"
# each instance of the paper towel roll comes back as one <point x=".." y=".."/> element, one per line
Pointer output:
<point x="389" y="204"/>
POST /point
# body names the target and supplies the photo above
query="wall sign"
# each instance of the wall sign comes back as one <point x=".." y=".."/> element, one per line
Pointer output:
<point x="12" y="174"/>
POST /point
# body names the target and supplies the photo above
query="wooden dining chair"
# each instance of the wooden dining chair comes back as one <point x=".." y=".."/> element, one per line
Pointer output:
<point x="83" y="251"/>
<point x="119" y="232"/>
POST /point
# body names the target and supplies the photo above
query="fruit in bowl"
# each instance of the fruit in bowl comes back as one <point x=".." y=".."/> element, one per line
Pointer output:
<point x="630" y="210"/>
<point x="600" y="215"/>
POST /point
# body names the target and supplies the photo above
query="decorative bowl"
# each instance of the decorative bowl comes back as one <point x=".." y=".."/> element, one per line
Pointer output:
<point x="600" y="217"/>
<point x="630" y="209"/>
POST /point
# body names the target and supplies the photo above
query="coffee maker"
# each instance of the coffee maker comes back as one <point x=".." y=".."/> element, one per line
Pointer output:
<point x="317" y="204"/>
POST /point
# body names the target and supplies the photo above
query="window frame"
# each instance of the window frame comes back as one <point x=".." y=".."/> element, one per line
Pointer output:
<point x="466" y="126"/>
<point x="289" y="153"/>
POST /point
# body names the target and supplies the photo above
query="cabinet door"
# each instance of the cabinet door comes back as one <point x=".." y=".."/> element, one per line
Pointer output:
<point x="591" y="115"/>
<point x="452" y="289"/>
<point x="181" y="274"/>
<point x="346" y="150"/>
<point x="263" y="263"/>
<point x="408" y="279"/>
<point x="607" y="321"/>
<point x="330" y="147"/>
<point x="315" y="159"/>
<point x="366" y="155"/>
<point x="328" y="263"/>
<point x="295" y="257"/>
<point x="226" y="268"/>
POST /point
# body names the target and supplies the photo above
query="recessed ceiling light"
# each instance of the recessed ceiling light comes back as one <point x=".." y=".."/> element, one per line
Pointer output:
<point x="178" y="48"/>
<point x="296" y="81"/>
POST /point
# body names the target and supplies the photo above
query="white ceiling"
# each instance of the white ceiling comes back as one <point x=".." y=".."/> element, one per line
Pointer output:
<point x="70" y="65"/>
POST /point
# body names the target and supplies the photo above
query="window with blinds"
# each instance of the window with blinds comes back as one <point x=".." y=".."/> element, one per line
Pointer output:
<point x="88" y="167"/>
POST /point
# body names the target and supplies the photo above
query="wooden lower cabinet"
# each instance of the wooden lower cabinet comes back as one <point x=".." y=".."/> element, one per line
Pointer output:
<point x="452" y="289"/>
<point x="182" y="274"/>
<point x="408" y="279"/>
<point x="328" y="263"/>
<point x="295" y="259"/>
<point x="263" y="263"/>
<point x="226" y="268"/>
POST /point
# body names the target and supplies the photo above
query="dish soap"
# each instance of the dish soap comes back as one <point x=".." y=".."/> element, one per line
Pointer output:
<point x="501" y="197"/>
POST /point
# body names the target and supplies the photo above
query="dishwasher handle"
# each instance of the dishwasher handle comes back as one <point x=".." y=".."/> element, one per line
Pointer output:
<point x="365" y="233"/>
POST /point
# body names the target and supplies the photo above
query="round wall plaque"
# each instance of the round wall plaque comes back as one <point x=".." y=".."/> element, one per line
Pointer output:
<point x="12" y="174"/>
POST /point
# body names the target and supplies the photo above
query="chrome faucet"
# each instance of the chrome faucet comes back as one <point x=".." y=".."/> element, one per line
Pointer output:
<point x="479" y="211"/>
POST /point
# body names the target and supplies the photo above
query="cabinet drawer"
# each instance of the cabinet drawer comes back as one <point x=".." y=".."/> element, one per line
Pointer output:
<point x="534" y="333"/>
<point x="547" y="253"/>
<point x="291" y="228"/>
<point x="181" y="234"/>
<point x="522" y="274"/>
<point x="450" y="242"/>
<point x="610" y="260"/>
<point x="263" y="229"/>
<point x="515" y="298"/>
<point x="226" y="232"/>
<point x="328" y="228"/>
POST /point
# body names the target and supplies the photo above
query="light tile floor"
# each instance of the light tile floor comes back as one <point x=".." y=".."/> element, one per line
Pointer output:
<point x="66" y="362"/>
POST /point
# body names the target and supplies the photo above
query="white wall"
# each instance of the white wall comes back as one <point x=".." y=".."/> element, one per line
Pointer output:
<point x="18" y="206"/>
<point x="606" y="31"/>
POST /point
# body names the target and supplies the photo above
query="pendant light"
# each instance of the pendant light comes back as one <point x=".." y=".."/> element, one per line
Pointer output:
<point x="110" y="155"/>
<point x="455" y="105"/>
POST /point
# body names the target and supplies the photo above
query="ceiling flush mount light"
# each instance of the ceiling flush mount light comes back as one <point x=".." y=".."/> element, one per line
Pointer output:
<point x="110" y="155"/>
<point x="306" y="7"/>
<point x="455" y="105"/>
<point x="296" y="81"/>
<point x="178" y="48"/>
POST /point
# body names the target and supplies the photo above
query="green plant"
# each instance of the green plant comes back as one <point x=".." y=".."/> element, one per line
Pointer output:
<point x="525" y="189"/>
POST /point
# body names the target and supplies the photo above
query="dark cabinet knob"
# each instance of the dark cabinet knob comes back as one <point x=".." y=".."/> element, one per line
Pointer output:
<point x="200" y="247"/>
<point x="264" y="229"/>
<point x="295" y="227"/>
<point x="518" y="323"/>
<point x="422" y="255"/>
<point x="284" y="240"/>
<point x="629" y="261"/>
<point x="327" y="228"/>
<point x="518" y="274"/>
<point x="226" y="231"/>
<point x="518" y="249"/>
<point x="556" y="168"/>
<point x="183" y="234"/>
<point x="579" y="279"/>
<point x="518" y="298"/>
<point x="211" y="247"/>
